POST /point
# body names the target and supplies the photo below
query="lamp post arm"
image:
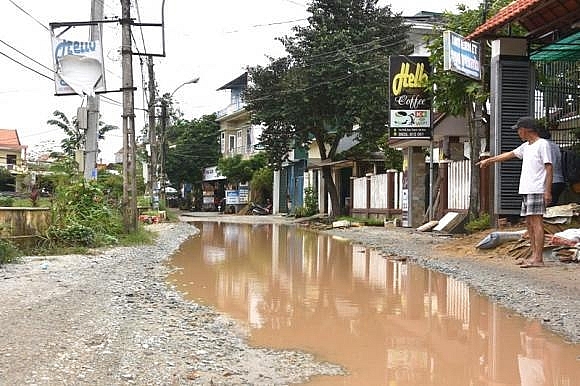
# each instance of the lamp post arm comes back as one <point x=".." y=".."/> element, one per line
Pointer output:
<point x="194" y="80"/>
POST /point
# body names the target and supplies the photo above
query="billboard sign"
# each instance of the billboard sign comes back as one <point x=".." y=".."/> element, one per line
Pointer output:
<point x="461" y="55"/>
<point x="78" y="66"/>
<point x="212" y="174"/>
<point x="410" y="100"/>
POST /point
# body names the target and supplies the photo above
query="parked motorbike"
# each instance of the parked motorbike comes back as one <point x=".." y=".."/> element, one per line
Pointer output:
<point x="258" y="210"/>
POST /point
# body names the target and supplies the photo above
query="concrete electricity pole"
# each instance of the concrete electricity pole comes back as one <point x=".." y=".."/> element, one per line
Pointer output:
<point x="153" y="142"/>
<point x="129" y="151"/>
<point x="91" y="136"/>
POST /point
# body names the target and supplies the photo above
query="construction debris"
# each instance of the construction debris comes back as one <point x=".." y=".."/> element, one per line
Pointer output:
<point x="449" y="222"/>
<point x="494" y="239"/>
<point x="567" y="245"/>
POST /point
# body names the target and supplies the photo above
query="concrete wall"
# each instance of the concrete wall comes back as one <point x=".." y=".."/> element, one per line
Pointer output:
<point x="19" y="222"/>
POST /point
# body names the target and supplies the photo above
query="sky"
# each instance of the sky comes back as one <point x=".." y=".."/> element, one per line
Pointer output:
<point x="213" y="40"/>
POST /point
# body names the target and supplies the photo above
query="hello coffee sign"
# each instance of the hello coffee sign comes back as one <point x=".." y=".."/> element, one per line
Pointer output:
<point x="410" y="100"/>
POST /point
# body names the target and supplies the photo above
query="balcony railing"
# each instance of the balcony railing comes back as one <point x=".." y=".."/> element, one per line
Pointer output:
<point x="248" y="150"/>
<point x="232" y="108"/>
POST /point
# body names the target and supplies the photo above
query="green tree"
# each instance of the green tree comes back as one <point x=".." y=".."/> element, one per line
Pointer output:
<point x="192" y="145"/>
<point x="333" y="80"/>
<point x="261" y="184"/>
<point x="239" y="170"/>
<point x="254" y="170"/>
<point x="457" y="95"/>
<point x="75" y="136"/>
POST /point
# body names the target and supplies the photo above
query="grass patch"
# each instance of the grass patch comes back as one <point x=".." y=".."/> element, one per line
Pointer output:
<point x="479" y="224"/>
<point x="363" y="220"/>
<point x="141" y="237"/>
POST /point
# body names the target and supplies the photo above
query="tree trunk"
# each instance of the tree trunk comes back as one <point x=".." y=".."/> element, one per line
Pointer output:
<point x="332" y="191"/>
<point x="474" y="121"/>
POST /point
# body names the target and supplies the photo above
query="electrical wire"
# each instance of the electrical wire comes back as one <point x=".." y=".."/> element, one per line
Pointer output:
<point x="27" y="67"/>
<point x="266" y="25"/>
<point x="29" y="15"/>
<point x="26" y="56"/>
<point x="140" y="27"/>
<point x="295" y="3"/>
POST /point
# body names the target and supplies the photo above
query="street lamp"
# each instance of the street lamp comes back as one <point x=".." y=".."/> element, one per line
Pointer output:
<point x="194" y="80"/>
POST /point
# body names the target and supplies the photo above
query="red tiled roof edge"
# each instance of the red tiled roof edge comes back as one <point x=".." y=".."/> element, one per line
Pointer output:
<point x="504" y="16"/>
<point x="9" y="139"/>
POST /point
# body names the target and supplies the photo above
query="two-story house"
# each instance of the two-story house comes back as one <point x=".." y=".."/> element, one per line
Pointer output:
<point x="238" y="136"/>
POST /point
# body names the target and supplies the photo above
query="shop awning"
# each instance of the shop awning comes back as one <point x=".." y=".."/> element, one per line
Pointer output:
<point x="567" y="49"/>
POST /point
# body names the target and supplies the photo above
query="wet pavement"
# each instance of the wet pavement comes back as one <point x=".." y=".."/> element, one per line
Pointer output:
<point x="387" y="322"/>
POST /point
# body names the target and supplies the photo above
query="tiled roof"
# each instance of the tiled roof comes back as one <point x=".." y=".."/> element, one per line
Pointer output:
<point x="538" y="17"/>
<point x="9" y="139"/>
<point x="504" y="16"/>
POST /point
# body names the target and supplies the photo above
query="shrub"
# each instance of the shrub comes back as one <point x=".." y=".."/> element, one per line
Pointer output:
<point x="478" y="224"/>
<point x="310" y="202"/>
<point x="7" y="252"/>
<point x="300" y="211"/>
<point x="6" y="201"/>
<point x="73" y="235"/>
<point x="82" y="216"/>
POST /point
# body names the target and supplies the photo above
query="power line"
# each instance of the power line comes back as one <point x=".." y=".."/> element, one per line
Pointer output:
<point x="323" y="83"/>
<point x="29" y="15"/>
<point x="25" y="66"/>
<point x="267" y="25"/>
<point x="26" y="56"/>
<point x="140" y="27"/>
<point x="295" y="3"/>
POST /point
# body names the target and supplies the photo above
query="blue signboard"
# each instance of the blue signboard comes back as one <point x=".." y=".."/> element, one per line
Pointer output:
<point x="461" y="55"/>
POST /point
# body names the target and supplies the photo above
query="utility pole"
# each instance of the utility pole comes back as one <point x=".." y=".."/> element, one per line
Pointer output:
<point x="91" y="137"/>
<point x="153" y="142"/>
<point x="163" y="150"/>
<point x="129" y="153"/>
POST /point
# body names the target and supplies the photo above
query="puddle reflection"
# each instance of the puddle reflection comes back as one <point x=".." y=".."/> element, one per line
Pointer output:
<point x="388" y="322"/>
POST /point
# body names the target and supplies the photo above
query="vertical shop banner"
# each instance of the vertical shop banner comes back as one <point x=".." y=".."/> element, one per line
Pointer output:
<point x="410" y="100"/>
<point x="78" y="66"/>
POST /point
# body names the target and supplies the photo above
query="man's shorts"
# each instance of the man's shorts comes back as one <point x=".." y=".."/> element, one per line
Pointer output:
<point x="533" y="204"/>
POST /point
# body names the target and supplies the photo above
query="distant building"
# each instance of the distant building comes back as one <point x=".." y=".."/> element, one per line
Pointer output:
<point x="119" y="156"/>
<point x="12" y="152"/>
<point x="237" y="134"/>
<point x="13" y="158"/>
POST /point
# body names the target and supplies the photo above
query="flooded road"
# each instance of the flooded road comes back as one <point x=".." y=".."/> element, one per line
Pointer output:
<point x="387" y="322"/>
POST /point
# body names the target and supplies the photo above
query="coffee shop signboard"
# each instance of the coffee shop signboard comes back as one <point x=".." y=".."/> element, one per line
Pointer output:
<point x="410" y="100"/>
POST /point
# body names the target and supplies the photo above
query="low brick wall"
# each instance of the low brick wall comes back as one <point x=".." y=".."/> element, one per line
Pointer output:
<point x="16" y="222"/>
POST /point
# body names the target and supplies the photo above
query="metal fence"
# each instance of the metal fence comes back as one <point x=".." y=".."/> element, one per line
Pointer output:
<point x="556" y="100"/>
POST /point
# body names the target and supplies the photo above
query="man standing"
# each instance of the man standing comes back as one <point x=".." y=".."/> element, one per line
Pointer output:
<point x="535" y="183"/>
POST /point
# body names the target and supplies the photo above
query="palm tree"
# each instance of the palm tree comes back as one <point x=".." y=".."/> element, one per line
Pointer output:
<point x="75" y="136"/>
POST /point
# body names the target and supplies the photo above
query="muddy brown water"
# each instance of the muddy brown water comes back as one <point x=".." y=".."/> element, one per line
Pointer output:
<point x="386" y="322"/>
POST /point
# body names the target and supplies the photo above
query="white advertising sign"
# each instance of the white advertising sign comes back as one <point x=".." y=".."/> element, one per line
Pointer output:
<point x="78" y="66"/>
